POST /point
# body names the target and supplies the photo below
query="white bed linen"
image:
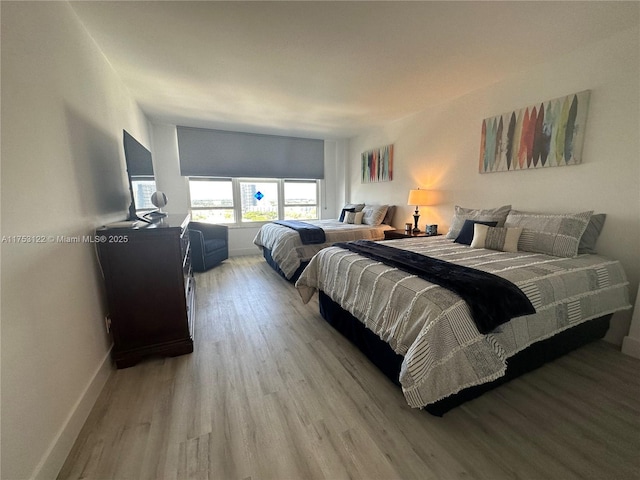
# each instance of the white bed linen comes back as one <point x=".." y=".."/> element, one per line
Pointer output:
<point x="431" y="326"/>
<point x="289" y="252"/>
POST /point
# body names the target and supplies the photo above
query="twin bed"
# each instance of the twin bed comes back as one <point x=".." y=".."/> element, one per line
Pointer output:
<point x="284" y="250"/>
<point x="428" y="339"/>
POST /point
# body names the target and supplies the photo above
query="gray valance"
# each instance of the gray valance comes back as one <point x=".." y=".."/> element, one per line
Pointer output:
<point x="220" y="153"/>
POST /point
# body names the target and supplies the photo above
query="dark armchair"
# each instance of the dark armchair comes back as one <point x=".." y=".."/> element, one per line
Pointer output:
<point x="209" y="245"/>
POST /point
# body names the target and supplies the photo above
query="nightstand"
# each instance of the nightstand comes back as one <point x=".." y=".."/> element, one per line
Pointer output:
<point x="393" y="234"/>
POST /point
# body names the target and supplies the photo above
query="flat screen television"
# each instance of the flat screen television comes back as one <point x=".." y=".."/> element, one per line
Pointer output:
<point x="142" y="183"/>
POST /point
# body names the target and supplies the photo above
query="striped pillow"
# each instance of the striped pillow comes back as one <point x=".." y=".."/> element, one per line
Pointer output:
<point x="353" y="217"/>
<point x="374" y="214"/>
<point x="591" y="234"/>
<point x="552" y="234"/>
<point x="496" y="238"/>
<point x="461" y="214"/>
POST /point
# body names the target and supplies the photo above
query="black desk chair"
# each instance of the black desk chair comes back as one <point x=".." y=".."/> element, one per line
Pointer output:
<point x="209" y="245"/>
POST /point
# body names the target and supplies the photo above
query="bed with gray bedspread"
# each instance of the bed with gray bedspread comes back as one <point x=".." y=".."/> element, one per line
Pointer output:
<point x="288" y="251"/>
<point x="431" y="327"/>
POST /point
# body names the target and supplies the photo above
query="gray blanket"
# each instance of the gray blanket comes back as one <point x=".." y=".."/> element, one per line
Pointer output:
<point x="432" y="327"/>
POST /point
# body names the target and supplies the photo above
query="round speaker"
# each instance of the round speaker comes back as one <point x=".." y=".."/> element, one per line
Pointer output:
<point x="159" y="199"/>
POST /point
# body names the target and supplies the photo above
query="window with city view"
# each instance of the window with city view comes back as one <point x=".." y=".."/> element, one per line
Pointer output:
<point x="218" y="200"/>
<point x="143" y="188"/>
<point x="212" y="200"/>
<point x="259" y="201"/>
<point x="300" y="199"/>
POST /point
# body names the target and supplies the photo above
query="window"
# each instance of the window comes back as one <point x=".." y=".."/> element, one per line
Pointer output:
<point x="143" y="187"/>
<point x="259" y="200"/>
<point x="251" y="200"/>
<point x="300" y="199"/>
<point x="212" y="200"/>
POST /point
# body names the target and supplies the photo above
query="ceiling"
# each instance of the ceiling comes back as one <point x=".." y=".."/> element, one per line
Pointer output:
<point x="329" y="69"/>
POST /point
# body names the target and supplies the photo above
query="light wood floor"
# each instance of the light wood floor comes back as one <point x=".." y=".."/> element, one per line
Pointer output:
<point x="272" y="392"/>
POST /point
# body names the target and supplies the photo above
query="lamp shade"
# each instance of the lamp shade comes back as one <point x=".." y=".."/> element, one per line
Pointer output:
<point x="418" y="197"/>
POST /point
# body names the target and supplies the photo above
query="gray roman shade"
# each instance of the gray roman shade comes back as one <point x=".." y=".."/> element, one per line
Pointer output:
<point x="219" y="153"/>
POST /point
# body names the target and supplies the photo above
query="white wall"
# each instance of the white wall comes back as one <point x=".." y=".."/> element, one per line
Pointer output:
<point x="166" y="168"/>
<point x="166" y="164"/>
<point x="439" y="149"/>
<point x="63" y="174"/>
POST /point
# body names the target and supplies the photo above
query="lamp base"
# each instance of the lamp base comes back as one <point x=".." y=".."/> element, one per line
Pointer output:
<point x="415" y="219"/>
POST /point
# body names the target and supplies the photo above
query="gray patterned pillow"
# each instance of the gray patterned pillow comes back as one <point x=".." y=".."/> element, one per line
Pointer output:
<point x="353" y="217"/>
<point x="350" y="207"/>
<point x="591" y="234"/>
<point x="357" y="206"/>
<point x="490" y="215"/>
<point x="374" y="214"/>
<point x="549" y="233"/>
<point x="496" y="238"/>
<point x="388" y="217"/>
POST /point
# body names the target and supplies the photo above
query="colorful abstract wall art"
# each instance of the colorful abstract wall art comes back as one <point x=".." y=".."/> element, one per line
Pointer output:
<point x="377" y="165"/>
<point x="547" y="135"/>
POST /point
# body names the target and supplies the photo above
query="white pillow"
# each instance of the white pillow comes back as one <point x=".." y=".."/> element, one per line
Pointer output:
<point x="496" y="238"/>
<point x="374" y="214"/>
<point x="353" y="217"/>
<point x="488" y="215"/>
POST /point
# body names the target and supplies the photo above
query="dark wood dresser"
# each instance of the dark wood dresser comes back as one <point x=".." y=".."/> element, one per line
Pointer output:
<point x="150" y="288"/>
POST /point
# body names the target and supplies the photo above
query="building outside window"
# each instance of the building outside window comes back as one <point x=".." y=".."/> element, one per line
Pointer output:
<point x="259" y="200"/>
<point x="143" y="187"/>
<point x="300" y="199"/>
<point x="252" y="200"/>
<point x="212" y="200"/>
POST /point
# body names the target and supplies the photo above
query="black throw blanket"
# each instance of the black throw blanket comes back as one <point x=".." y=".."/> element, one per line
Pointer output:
<point x="309" y="234"/>
<point x="492" y="300"/>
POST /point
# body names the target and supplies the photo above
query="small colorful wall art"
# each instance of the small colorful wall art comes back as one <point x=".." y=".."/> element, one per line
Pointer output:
<point x="546" y="135"/>
<point x="377" y="165"/>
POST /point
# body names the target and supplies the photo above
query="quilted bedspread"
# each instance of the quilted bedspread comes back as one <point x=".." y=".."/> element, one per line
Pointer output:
<point x="432" y="327"/>
<point x="289" y="252"/>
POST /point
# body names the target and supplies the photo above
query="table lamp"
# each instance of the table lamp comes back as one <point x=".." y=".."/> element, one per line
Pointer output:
<point x="417" y="197"/>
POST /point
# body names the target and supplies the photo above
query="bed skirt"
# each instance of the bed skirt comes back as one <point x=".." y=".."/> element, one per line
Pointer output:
<point x="389" y="362"/>
<point x="266" y="253"/>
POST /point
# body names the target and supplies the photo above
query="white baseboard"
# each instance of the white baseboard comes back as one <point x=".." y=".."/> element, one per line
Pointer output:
<point x="631" y="347"/>
<point x="57" y="453"/>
